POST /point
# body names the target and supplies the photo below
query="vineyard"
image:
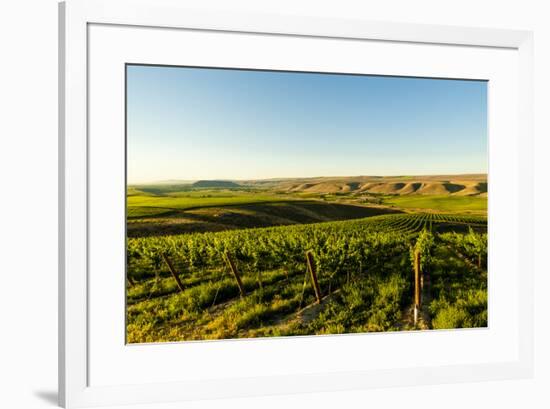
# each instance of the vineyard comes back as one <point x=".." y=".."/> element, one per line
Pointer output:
<point x="322" y="278"/>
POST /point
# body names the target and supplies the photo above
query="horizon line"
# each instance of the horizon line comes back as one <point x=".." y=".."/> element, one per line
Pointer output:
<point x="128" y="183"/>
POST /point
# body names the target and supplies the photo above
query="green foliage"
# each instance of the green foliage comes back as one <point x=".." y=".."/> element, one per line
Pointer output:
<point x="362" y="267"/>
<point x="458" y="289"/>
<point x="445" y="203"/>
<point x="373" y="303"/>
<point x="147" y="204"/>
<point x="469" y="310"/>
<point x="472" y="245"/>
<point x="423" y="246"/>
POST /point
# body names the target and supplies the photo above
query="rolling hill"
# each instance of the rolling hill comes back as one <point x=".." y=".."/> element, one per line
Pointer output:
<point x="459" y="185"/>
<point x="217" y="205"/>
<point x="239" y="216"/>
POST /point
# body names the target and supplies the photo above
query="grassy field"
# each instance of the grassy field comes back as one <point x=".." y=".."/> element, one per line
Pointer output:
<point x="243" y="216"/>
<point x="444" y="203"/>
<point x="175" y="209"/>
<point x="143" y="204"/>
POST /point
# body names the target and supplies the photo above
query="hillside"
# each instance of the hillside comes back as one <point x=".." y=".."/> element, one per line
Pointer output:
<point x="459" y="185"/>
<point x="240" y="216"/>
<point x="217" y="205"/>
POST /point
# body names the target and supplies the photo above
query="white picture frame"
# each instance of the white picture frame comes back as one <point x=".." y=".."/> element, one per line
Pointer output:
<point x="76" y="18"/>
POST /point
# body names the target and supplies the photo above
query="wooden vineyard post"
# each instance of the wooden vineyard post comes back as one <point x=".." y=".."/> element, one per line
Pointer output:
<point x="417" y="285"/>
<point x="479" y="260"/>
<point x="173" y="271"/>
<point x="313" y="274"/>
<point x="235" y="273"/>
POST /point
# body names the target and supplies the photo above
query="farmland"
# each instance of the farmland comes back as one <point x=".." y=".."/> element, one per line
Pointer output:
<point x="441" y="202"/>
<point x="272" y="203"/>
<point x="179" y="208"/>
<point x="183" y="285"/>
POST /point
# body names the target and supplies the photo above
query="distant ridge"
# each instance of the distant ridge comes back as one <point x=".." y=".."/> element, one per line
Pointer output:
<point x="457" y="185"/>
<point x="223" y="184"/>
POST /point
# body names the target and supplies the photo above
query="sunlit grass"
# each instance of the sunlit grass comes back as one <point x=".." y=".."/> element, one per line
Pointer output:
<point x="145" y="205"/>
<point x="438" y="202"/>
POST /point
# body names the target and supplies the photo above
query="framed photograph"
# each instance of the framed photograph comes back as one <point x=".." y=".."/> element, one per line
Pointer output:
<point x="262" y="204"/>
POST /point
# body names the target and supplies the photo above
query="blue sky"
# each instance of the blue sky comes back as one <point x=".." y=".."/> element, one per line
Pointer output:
<point x="198" y="123"/>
